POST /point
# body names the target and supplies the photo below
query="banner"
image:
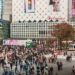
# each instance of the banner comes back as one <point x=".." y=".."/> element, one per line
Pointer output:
<point x="29" y="6"/>
<point x="54" y="5"/>
<point x="15" y="42"/>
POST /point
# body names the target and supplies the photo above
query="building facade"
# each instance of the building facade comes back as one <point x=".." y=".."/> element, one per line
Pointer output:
<point x="7" y="10"/>
<point x="34" y="18"/>
<point x="33" y="30"/>
<point x="4" y="29"/>
<point x="40" y="10"/>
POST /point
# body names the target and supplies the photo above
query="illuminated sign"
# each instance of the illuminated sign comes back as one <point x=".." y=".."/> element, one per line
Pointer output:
<point x="1" y="26"/>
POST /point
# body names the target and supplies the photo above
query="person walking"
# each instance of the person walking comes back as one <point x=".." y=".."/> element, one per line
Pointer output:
<point x="73" y="69"/>
<point x="51" y="70"/>
<point x="56" y="74"/>
<point x="61" y="65"/>
<point x="38" y="70"/>
<point x="58" y="65"/>
<point x="15" y="69"/>
<point x="42" y="69"/>
<point x="11" y="65"/>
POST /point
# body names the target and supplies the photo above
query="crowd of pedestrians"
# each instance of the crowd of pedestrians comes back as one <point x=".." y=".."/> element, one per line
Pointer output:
<point x="18" y="60"/>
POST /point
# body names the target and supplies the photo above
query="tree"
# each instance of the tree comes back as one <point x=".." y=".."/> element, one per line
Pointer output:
<point x="63" y="31"/>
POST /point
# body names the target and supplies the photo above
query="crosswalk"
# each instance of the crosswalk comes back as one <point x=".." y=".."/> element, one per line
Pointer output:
<point x="67" y="68"/>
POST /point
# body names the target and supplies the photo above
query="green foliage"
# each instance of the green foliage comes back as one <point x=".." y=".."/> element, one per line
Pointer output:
<point x="63" y="31"/>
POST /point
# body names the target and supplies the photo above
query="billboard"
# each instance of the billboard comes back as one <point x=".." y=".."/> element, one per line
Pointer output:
<point x="40" y="10"/>
<point x="73" y="8"/>
<point x="15" y="42"/>
<point x="1" y="26"/>
<point x="70" y="9"/>
<point x="1" y="8"/>
<point x="54" y="5"/>
<point x="29" y="6"/>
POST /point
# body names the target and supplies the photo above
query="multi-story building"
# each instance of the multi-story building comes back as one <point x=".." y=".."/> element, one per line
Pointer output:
<point x="5" y="13"/>
<point x="7" y="9"/>
<point x="34" y="18"/>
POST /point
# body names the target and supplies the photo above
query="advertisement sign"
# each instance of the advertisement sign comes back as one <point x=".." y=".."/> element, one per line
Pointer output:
<point x="1" y="24"/>
<point x="70" y="8"/>
<point x="15" y="42"/>
<point x="29" y="6"/>
<point x="54" y="5"/>
<point x="73" y="8"/>
<point x="1" y="4"/>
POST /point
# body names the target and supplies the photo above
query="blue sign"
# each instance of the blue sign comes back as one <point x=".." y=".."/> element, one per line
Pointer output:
<point x="1" y="26"/>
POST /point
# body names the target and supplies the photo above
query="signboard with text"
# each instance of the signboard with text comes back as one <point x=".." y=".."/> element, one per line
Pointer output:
<point x="15" y="42"/>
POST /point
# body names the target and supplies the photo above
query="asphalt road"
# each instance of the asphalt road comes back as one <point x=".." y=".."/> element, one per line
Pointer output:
<point x="67" y="68"/>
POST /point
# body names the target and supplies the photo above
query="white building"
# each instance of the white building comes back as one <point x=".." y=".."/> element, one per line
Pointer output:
<point x="42" y="11"/>
<point x="33" y="19"/>
<point x="7" y="9"/>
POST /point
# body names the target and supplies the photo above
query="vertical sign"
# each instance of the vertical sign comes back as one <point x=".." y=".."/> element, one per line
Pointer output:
<point x="73" y="8"/>
<point x="1" y="24"/>
<point x="1" y="8"/>
<point x="70" y="9"/>
<point x="29" y="6"/>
